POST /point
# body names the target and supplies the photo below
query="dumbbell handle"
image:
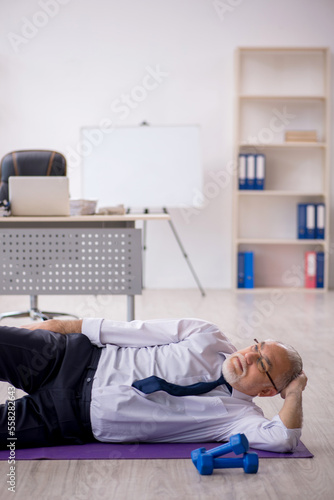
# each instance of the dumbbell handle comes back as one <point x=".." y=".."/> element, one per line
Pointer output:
<point x="238" y="440"/>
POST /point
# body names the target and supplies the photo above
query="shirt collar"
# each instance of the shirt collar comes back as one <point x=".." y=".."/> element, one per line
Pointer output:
<point x="241" y="395"/>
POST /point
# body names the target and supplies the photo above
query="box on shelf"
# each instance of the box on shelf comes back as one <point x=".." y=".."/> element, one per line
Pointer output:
<point x="301" y="136"/>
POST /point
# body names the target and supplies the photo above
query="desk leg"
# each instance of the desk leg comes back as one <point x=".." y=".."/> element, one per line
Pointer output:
<point x="131" y="307"/>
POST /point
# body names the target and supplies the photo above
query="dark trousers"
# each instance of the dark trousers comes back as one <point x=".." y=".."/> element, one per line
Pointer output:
<point x="56" y="371"/>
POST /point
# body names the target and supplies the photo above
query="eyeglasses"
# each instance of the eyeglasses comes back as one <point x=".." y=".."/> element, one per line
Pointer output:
<point x="262" y="363"/>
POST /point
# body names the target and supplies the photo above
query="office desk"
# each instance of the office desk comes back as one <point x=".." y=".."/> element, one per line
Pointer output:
<point x="92" y="255"/>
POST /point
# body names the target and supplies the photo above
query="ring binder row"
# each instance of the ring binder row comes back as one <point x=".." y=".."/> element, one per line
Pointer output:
<point x="245" y="269"/>
<point x="311" y="221"/>
<point x="314" y="269"/>
<point x="251" y="170"/>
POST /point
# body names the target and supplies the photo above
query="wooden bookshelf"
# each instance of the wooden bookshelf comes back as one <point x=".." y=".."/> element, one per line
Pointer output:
<point x="279" y="90"/>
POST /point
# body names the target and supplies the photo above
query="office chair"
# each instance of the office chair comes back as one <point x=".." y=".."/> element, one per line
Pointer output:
<point x="30" y="162"/>
<point x="38" y="163"/>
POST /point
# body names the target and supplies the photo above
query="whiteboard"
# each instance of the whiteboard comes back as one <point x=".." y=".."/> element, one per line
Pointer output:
<point x="144" y="166"/>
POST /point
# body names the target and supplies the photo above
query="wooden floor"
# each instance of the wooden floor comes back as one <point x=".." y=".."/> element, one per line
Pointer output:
<point x="306" y="320"/>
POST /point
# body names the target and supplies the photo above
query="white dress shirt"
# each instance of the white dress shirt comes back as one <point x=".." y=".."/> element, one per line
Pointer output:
<point x="183" y="351"/>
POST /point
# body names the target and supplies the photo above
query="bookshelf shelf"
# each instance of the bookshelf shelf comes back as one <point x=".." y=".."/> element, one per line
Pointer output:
<point x="260" y="146"/>
<point x="272" y="192"/>
<point x="282" y="50"/>
<point x="266" y="289"/>
<point x="279" y="241"/>
<point x="284" y="97"/>
<point x="280" y="90"/>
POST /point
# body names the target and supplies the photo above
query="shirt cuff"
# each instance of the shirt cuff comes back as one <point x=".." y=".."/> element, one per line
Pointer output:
<point x="91" y="327"/>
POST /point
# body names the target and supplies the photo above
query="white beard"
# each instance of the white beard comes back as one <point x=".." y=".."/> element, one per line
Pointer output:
<point x="229" y="371"/>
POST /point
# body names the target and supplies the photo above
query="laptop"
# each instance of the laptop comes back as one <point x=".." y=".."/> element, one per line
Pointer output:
<point x="39" y="196"/>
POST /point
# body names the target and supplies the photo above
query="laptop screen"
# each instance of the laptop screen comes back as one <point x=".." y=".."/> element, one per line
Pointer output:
<point x="39" y="196"/>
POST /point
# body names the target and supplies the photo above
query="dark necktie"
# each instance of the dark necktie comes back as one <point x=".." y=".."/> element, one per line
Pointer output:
<point x="153" y="384"/>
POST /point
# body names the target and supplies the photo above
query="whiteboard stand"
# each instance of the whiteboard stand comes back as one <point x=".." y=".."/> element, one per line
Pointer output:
<point x="165" y="211"/>
<point x="146" y="211"/>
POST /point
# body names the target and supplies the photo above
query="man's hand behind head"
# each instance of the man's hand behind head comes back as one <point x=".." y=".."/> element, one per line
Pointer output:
<point x="296" y="386"/>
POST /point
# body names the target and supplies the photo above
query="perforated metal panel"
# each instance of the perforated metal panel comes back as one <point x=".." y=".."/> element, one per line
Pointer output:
<point x="70" y="261"/>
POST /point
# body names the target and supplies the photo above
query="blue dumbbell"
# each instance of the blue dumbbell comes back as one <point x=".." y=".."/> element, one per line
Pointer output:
<point x="207" y="461"/>
<point x="249" y="462"/>
<point x="238" y="444"/>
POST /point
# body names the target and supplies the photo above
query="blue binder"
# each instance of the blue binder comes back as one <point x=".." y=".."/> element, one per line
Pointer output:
<point x="260" y="170"/>
<point x="241" y="270"/>
<point x="250" y="183"/>
<point x="242" y="171"/>
<point x="249" y="269"/>
<point x="310" y="221"/>
<point x="320" y="269"/>
<point x="320" y="221"/>
<point x="301" y="217"/>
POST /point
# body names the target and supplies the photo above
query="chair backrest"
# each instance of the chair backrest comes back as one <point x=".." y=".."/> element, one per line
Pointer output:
<point x="30" y="162"/>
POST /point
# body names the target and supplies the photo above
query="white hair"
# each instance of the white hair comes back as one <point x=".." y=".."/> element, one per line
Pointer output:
<point x="296" y="365"/>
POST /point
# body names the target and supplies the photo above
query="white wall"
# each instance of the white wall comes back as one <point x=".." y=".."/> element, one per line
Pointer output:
<point x="84" y="59"/>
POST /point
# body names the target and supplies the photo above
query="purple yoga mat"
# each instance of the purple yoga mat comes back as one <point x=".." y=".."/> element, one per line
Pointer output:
<point x="107" y="451"/>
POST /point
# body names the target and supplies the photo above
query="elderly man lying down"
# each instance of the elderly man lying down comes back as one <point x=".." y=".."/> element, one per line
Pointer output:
<point x="145" y="381"/>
